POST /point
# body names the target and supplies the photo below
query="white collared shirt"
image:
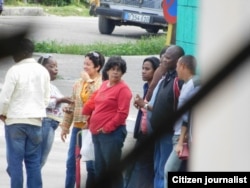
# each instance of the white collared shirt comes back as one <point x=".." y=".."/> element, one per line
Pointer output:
<point x="25" y="92"/>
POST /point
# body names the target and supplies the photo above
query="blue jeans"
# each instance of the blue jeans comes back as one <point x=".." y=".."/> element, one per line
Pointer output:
<point x="173" y="163"/>
<point x="23" y="144"/>
<point x="71" y="160"/>
<point x="48" y="131"/>
<point x="163" y="148"/>
<point x="90" y="182"/>
<point x="108" y="150"/>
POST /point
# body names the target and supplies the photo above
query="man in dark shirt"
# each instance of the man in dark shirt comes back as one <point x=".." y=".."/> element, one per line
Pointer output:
<point x="165" y="104"/>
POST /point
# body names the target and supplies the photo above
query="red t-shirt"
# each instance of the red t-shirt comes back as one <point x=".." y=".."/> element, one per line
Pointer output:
<point x="111" y="107"/>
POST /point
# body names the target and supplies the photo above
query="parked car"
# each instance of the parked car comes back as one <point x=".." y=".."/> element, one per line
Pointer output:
<point x="147" y="14"/>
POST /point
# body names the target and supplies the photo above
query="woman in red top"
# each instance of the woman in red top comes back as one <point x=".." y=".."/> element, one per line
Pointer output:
<point x="108" y="122"/>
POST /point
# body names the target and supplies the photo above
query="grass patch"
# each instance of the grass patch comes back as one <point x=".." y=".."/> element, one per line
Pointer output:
<point x="71" y="10"/>
<point x="143" y="46"/>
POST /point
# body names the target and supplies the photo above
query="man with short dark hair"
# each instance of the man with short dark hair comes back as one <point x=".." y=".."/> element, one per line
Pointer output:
<point x="165" y="104"/>
<point x="23" y="100"/>
<point x="186" y="68"/>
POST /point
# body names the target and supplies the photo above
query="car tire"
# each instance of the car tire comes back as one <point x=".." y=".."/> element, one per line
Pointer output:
<point x="106" y="26"/>
<point x="153" y="30"/>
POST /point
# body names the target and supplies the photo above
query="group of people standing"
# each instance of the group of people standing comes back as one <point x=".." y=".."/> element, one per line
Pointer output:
<point x="101" y="104"/>
<point x="171" y="85"/>
<point x="32" y="108"/>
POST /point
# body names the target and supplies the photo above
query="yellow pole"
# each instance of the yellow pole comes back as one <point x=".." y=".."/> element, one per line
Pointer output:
<point x="169" y="34"/>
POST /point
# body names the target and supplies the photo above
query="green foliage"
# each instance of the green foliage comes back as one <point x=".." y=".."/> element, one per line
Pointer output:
<point x="144" y="46"/>
<point x="70" y="10"/>
<point x="55" y="2"/>
<point x="45" y="2"/>
<point x="12" y="2"/>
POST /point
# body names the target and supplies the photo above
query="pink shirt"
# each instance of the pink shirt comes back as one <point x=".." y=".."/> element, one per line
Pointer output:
<point x="111" y="107"/>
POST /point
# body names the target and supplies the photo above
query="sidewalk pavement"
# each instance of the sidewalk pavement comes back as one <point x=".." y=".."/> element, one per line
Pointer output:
<point x="69" y="69"/>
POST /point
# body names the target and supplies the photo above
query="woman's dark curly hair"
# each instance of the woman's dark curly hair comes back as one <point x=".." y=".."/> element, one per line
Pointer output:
<point x="97" y="58"/>
<point x="116" y="61"/>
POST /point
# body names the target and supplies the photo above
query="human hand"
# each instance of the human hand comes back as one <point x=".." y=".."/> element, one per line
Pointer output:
<point x="101" y="130"/>
<point x="67" y="100"/>
<point x="68" y="109"/>
<point x="138" y="102"/>
<point x="84" y="75"/>
<point x="64" y="134"/>
<point x="3" y="118"/>
<point x="179" y="148"/>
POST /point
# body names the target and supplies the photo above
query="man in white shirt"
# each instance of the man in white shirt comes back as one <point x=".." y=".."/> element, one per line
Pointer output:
<point x="186" y="67"/>
<point x="23" y="100"/>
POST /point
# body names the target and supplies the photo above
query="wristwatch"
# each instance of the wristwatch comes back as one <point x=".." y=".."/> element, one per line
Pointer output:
<point x="145" y="106"/>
